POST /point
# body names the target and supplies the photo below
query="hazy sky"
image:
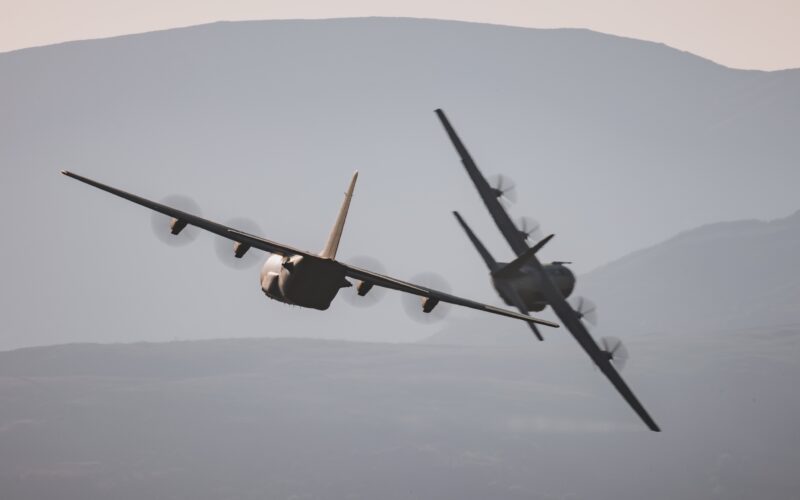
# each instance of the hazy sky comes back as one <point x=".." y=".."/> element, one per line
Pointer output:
<point x="737" y="33"/>
<point x="615" y="145"/>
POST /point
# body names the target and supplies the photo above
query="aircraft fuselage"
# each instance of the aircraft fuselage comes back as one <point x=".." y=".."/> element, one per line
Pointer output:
<point x="304" y="281"/>
<point x="528" y="285"/>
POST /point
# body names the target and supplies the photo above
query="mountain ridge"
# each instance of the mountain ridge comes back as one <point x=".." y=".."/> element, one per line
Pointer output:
<point x="717" y="276"/>
<point x="791" y="219"/>
<point x="401" y="18"/>
<point x="639" y="293"/>
<point x="612" y="144"/>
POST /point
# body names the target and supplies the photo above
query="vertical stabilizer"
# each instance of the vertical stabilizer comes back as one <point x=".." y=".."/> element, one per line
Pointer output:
<point x="329" y="252"/>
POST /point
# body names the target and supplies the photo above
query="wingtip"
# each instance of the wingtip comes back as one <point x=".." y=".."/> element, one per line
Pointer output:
<point x="539" y="321"/>
<point x="66" y="172"/>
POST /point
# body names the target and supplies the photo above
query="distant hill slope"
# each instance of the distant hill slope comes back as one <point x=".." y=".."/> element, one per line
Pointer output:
<point x="255" y="419"/>
<point x="726" y="277"/>
<point x="721" y="276"/>
<point x="614" y="144"/>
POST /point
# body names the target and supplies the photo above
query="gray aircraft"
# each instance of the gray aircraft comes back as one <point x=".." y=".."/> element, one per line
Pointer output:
<point x="303" y="278"/>
<point x="528" y="285"/>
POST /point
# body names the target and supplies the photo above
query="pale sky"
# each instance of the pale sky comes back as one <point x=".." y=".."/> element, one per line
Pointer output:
<point x="736" y="33"/>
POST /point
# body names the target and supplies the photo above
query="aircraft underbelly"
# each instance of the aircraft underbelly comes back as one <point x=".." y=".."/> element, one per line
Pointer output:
<point x="302" y="281"/>
<point x="312" y="283"/>
<point x="528" y="286"/>
<point x="533" y="299"/>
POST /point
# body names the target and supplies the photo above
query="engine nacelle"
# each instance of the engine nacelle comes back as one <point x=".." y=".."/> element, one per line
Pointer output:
<point x="428" y="303"/>
<point x="239" y="249"/>
<point x="363" y="288"/>
<point x="177" y="225"/>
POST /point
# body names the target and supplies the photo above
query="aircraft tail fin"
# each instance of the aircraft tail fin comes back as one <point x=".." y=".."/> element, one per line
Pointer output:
<point x="487" y="257"/>
<point x="329" y="252"/>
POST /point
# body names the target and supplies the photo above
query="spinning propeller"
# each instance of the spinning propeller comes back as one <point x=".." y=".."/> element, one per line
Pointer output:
<point x="176" y="233"/>
<point x="612" y="347"/>
<point x="529" y="229"/>
<point x="615" y="350"/>
<point x="415" y="305"/>
<point x="361" y="294"/>
<point x="585" y="309"/>
<point x="503" y="188"/>
<point x="173" y="232"/>
<point x="232" y="253"/>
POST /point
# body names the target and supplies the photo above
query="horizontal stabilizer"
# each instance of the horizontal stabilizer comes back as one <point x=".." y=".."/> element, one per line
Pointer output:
<point x="513" y="296"/>
<point x="518" y="263"/>
<point x="487" y="257"/>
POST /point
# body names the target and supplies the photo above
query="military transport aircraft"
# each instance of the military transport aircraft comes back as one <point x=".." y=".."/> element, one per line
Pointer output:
<point x="529" y="285"/>
<point x="303" y="278"/>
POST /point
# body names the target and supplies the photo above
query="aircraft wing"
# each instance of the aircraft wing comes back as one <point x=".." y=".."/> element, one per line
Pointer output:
<point x="434" y="295"/>
<point x="554" y="298"/>
<point x="576" y="327"/>
<point x="222" y="230"/>
<point x="520" y="305"/>
<point x="279" y="248"/>
<point x="510" y="232"/>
